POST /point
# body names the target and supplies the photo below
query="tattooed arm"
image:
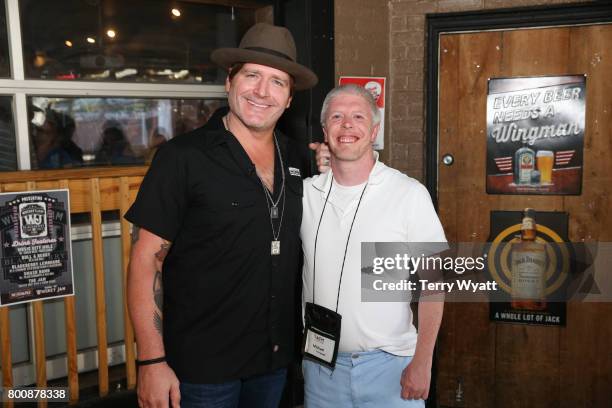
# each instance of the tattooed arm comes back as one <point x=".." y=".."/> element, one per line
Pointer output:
<point x="157" y="383"/>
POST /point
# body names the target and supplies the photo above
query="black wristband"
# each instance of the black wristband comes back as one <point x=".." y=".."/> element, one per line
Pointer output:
<point x="151" y="361"/>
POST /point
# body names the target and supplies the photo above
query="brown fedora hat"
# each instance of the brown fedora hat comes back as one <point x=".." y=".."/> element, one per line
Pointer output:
<point x="269" y="45"/>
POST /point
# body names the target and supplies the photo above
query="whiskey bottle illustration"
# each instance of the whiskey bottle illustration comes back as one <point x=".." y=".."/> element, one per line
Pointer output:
<point x="528" y="267"/>
<point x="524" y="165"/>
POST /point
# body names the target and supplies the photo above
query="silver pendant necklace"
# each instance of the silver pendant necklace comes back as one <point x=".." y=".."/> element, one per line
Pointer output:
<point x="273" y="206"/>
<point x="272" y="210"/>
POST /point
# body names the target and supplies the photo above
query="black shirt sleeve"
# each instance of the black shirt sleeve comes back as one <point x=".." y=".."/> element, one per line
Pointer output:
<point x="161" y="201"/>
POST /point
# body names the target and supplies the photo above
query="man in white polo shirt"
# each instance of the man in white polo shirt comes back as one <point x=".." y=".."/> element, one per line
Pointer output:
<point x="381" y="360"/>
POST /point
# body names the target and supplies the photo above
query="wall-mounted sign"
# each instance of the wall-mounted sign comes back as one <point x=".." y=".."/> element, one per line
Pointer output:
<point x="533" y="281"/>
<point x="376" y="86"/>
<point x="36" y="247"/>
<point x="535" y="135"/>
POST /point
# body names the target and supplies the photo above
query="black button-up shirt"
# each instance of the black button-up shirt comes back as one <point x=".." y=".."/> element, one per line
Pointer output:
<point x="229" y="304"/>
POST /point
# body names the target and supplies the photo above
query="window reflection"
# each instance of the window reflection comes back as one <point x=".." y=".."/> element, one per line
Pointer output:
<point x="74" y="132"/>
<point x="8" y="148"/>
<point x="136" y="40"/>
<point x="5" y="70"/>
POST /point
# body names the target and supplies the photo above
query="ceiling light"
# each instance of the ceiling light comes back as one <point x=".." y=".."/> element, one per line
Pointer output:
<point x="68" y="43"/>
<point x="91" y="40"/>
<point x="111" y="33"/>
<point x="176" y="12"/>
<point x="39" y="59"/>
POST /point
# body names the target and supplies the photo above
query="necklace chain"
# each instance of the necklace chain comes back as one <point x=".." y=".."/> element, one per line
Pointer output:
<point x="281" y="194"/>
<point x="268" y="195"/>
<point x="282" y="190"/>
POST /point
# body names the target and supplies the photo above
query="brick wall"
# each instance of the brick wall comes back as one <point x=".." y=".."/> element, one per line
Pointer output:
<point x="361" y="39"/>
<point x="387" y="38"/>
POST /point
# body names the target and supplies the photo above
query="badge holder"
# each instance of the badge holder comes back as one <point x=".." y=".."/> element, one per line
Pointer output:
<point x="321" y="334"/>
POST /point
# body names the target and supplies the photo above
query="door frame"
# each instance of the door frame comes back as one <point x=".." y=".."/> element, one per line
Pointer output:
<point x="489" y="20"/>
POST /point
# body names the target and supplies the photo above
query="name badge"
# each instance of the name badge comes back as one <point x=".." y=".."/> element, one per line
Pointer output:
<point x="321" y="334"/>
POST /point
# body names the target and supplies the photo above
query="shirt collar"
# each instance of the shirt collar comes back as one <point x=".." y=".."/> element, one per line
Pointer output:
<point x="220" y="135"/>
<point x="376" y="176"/>
<point x="215" y="129"/>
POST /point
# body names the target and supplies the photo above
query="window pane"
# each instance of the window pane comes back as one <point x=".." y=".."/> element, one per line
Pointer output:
<point x="8" y="148"/>
<point x="5" y="65"/>
<point x="136" y="40"/>
<point x="75" y="132"/>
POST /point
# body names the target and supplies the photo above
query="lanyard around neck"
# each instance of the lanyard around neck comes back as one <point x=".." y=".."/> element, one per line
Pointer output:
<point x="314" y="260"/>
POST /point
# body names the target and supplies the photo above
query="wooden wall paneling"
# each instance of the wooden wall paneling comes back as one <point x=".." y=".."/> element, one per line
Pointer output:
<point x="447" y="380"/>
<point x="527" y="366"/>
<point x="80" y="199"/>
<point x="5" y="351"/>
<point x="40" y="355"/>
<point x="6" y="358"/>
<point x="109" y="193"/>
<point x="527" y="358"/>
<point x="71" y="341"/>
<point x="538" y="51"/>
<point x="467" y="338"/>
<point x="479" y="61"/>
<point x="448" y="129"/>
<point x="71" y="349"/>
<point x="130" y="356"/>
<point x="533" y="365"/>
<point x="534" y="52"/>
<point x="591" y="213"/>
<point x="39" y="346"/>
<point x="71" y="174"/>
<point x="98" y="254"/>
<point x="90" y="190"/>
<point x="11" y="187"/>
<point x="79" y="183"/>
<point x="586" y="360"/>
<point x="475" y="342"/>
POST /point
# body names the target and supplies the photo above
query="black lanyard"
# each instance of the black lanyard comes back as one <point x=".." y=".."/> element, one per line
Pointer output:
<point x="314" y="263"/>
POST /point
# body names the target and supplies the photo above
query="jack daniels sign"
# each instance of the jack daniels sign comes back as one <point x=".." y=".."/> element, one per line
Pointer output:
<point x="36" y="260"/>
<point x="535" y="135"/>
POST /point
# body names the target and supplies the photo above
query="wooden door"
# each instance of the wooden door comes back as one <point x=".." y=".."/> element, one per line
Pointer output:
<point x="506" y="365"/>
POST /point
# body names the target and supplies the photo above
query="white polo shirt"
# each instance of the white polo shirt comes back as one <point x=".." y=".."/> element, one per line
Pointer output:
<point x="394" y="208"/>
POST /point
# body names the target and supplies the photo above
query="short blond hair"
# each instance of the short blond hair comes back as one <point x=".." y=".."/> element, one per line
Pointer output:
<point x="351" y="89"/>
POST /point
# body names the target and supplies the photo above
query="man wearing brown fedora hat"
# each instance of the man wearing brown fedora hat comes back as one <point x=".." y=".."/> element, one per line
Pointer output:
<point x="216" y="225"/>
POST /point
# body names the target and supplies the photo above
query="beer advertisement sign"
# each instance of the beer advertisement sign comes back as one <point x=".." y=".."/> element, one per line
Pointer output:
<point x="376" y="86"/>
<point x="36" y="246"/>
<point x="535" y="135"/>
<point x="533" y="279"/>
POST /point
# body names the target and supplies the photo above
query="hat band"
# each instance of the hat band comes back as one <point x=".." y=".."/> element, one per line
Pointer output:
<point x="269" y="51"/>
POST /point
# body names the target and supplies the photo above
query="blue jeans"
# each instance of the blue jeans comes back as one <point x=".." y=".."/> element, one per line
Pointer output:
<point x="260" y="391"/>
<point x="369" y="379"/>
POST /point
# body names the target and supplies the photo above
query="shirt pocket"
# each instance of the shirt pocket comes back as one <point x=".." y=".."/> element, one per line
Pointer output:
<point x="295" y="186"/>
<point x="224" y="194"/>
<point x="235" y="201"/>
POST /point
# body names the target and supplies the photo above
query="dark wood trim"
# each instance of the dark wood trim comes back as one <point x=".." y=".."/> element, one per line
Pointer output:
<point x="71" y="174"/>
<point x="437" y="24"/>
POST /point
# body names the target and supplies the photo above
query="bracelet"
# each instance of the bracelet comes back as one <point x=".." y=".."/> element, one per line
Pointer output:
<point x="150" y="361"/>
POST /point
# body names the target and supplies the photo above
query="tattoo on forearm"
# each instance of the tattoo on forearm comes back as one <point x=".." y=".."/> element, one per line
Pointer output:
<point x="135" y="233"/>
<point x="158" y="298"/>
<point x="163" y="251"/>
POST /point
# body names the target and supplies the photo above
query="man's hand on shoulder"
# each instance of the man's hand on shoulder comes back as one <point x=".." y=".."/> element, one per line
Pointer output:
<point x="416" y="379"/>
<point x="322" y="155"/>
<point x="158" y="386"/>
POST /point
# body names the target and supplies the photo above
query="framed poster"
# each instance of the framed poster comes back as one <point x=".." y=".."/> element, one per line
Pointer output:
<point x="519" y="300"/>
<point x="36" y="246"/>
<point x="376" y="86"/>
<point x="535" y="135"/>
